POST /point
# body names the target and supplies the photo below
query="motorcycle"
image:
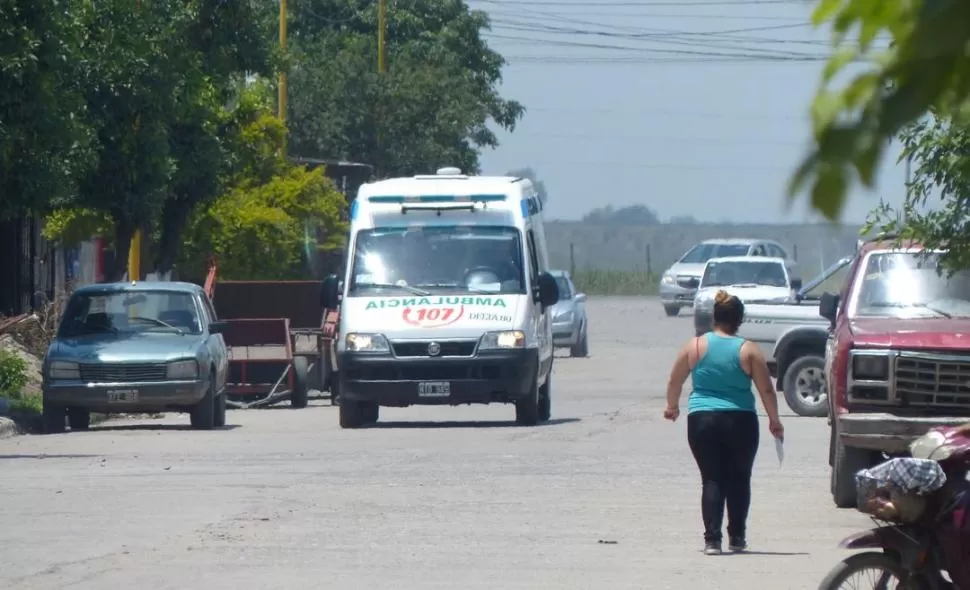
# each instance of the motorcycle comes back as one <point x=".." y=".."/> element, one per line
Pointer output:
<point x="921" y="506"/>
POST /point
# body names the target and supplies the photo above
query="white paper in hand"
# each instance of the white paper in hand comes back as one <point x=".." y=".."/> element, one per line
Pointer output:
<point x="780" y="450"/>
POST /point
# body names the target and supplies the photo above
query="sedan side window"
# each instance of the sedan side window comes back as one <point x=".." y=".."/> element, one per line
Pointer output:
<point x="210" y="314"/>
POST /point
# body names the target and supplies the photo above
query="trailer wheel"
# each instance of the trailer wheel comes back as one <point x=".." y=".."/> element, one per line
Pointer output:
<point x="301" y="373"/>
<point x="335" y="388"/>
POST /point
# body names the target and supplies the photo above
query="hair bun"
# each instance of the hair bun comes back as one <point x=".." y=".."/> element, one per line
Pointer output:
<point x="722" y="296"/>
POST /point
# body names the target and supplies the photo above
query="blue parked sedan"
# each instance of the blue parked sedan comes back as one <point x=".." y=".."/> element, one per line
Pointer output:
<point x="569" y="329"/>
<point x="136" y="347"/>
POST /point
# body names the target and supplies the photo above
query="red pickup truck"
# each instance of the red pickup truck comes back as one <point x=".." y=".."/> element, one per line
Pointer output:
<point x="897" y="358"/>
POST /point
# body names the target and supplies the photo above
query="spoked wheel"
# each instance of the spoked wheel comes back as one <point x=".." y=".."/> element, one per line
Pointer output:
<point x="868" y="571"/>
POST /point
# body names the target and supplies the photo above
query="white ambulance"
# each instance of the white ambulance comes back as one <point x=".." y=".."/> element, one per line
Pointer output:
<point x="445" y="298"/>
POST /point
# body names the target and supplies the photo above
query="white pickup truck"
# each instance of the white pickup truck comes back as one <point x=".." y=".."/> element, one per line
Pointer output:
<point x="792" y="336"/>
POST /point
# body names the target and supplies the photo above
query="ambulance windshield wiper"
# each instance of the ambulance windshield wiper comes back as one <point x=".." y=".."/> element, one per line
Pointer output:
<point x="408" y="288"/>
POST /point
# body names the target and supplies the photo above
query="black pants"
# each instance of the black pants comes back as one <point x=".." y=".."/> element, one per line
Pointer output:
<point x="724" y="444"/>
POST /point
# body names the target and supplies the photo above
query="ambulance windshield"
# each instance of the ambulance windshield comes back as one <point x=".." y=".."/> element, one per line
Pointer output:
<point x="438" y="259"/>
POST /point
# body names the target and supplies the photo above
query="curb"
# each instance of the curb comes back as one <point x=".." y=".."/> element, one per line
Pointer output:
<point x="8" y="428"/>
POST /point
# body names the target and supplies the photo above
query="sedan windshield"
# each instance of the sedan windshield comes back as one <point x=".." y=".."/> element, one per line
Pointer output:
<point x="129" y="311"/>
<point x="422" y="260"/>
<point x="899" y="284"/>
<point x="703" y="252"/>
<point x="737" y="272"/>
<point x="565" y="292"/>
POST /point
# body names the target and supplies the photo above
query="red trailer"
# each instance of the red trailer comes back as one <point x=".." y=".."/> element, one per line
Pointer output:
<point x="275" y="339"/>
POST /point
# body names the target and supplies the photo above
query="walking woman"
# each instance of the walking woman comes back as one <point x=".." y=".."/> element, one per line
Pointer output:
<point x="722" y="423"/>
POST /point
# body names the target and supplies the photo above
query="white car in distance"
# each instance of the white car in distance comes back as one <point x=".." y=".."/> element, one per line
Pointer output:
<point x="753" y="279"/>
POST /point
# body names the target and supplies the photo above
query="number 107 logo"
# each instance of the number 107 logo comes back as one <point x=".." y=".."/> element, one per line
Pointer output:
<point x="432" y="317"/>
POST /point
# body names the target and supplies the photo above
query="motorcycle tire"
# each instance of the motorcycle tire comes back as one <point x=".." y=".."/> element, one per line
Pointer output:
<point x="870" y="560"/>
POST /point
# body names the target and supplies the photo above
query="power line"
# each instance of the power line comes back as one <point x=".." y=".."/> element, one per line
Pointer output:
<point x="527" y="60"/>
<point x="648" y="3"/>
<point x="659" y="34"/>
<point x="613" y="165"/>
<point x="668" y="113"/>
<point x="725" y="43"/>
<point x="740" y="54"/>
<point x="659" y="138"/>
<point x="655" y="15"/>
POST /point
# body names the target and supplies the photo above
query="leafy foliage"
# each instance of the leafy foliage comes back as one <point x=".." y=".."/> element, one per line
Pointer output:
<point x="926" y="68"/>
<point x="158" y="81"/>
<point x="268" y="223"/>
<point x="73" y="225"/>
<point x="432" y="106"/>
<point x="940" y="150"/>
<point x="45" y="140"/>
<point x="13" y="373"/>
<point x="263" y="230"/>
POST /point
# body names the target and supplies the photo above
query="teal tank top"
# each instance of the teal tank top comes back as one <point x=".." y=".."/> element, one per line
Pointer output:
<point x="720" y="382"/>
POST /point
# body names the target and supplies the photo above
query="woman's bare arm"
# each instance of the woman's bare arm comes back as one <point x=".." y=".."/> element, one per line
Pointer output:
<point x="678" y="375"/>
<point x="762" y="379"/>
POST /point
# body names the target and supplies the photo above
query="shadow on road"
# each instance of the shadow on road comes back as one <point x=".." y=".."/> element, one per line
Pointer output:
<point x="475" y="424"/>
<point x="137" y="427"/>
<point x="46" y="456"/>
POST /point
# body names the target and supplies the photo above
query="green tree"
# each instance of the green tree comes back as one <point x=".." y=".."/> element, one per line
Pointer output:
<point x="159" y="82"/>
<point x="44" y="139"/>
<point x="266" y="225"/>
<point x="432" y="106"/>
<point x="132" y="72"/>
<point x="927" y="67"/>
<point x="226" y="40"/>
<point x="940" y="150"/>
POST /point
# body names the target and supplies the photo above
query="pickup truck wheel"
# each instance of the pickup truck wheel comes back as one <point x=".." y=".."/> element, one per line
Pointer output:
<point x="78" y="418"/>
<point x="372" y="412"/>
<point x="805" y="386"/>
<point x="299" y="397"/>
<point x="54" y="418"/>
<point x="848" y="462"/>
<point x="203" y="415"/>
<point x="352" y="415"/>
<point x="527" y="408"/>
<point x="334" y="388"/>
<point x="672" y="310"/>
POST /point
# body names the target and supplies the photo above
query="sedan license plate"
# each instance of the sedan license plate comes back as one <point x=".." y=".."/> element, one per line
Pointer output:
<point x="123" y="395"/>
<point x="434" y="389"/>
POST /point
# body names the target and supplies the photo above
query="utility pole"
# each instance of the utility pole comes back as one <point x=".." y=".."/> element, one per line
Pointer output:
<point x="381" y="65"/>
<point x="282" y="80"/>
<point x="134" y="248"/>
<point x="134" y="257"/>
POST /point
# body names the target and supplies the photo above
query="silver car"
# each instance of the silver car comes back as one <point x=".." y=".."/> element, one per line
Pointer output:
<point x="678" y="284"/>
<point x="569" y="324"/>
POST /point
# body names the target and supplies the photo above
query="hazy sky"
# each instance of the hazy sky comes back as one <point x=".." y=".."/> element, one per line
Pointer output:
<point x="691" y="107"/>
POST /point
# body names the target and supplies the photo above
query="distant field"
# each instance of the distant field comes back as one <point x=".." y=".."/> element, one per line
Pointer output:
<point x="650" y="250"/>
<point x="615" y="282"/>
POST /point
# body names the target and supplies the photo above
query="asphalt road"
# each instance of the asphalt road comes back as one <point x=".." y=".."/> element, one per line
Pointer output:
<point x="606" y="496"/>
